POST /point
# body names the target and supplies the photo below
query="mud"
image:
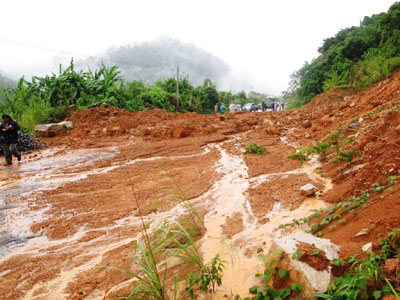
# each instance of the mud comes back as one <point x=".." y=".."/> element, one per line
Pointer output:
<point x="71" y="208"/>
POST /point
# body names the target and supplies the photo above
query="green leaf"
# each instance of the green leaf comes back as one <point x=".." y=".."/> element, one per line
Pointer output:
<point x="272" y="263"/>
<point x="377" y="294"/>
<point x="324" y="296"/>
<point x="297" y="255"/>
<point x="282" y="273"/>
<point x="314" y="251"/>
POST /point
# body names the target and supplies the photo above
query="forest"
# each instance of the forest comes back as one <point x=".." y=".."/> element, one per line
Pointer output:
<point x="357" y="56"/>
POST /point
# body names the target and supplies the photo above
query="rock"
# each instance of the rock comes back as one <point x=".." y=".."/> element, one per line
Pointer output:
<point x="181" y="132"/>
<point x="354" y="125"/>
<point x="307" y="124"/>
<point x="398" y="130"/>
<point x="267" y="122"/>
<point x="272" y="129"/>
<point x="308" y="190"/>
<point x="313" y="281"/>
<point x="367" y="247"/>
<point x="53" y="129"/>
<point x="72" y="108"/>
<point x="363" y="231"/>
<point x="115" y="130"/>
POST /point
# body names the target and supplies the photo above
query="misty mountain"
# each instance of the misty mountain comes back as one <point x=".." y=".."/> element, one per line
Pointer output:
<point x="6" y="82"/>
<point x="158" y="59"/>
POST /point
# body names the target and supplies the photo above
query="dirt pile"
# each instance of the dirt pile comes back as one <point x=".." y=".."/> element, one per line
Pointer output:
<point x="333" y="96"/>
<point x="157" y="124"/>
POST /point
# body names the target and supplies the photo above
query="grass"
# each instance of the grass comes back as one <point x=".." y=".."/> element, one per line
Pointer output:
<point x="253" y="148"/>
<point x="365" y="279"/>
<point x="172" y="239"/>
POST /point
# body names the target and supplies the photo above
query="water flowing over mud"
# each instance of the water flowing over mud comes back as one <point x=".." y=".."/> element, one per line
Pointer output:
<point x="69" y="209"/>
<point x="222" y="199"/>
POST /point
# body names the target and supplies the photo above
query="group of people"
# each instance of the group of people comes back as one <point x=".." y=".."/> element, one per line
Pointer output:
<point x="219" y="108"/>
<point x="276" y="106"/>
<point x="9" y="138"/>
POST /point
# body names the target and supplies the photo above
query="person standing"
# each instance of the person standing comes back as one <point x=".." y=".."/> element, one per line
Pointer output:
<point x="222" y="108"/>
<point x="216" y="108"/>
<point x="9" y="131"/>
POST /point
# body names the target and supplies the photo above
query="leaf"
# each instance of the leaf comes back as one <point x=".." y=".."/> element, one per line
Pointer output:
<point x="314" y="252"/>
<point x="297" y="255"/>
<point x="272" y="263"/>
<point x="377" y="294"/>
<point x="324" y="296"/>
<point x="267" y="275"/>
<point x="282" y="273"/>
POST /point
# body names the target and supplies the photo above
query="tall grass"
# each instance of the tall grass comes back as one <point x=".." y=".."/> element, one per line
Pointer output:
<point x="160" y="243"/>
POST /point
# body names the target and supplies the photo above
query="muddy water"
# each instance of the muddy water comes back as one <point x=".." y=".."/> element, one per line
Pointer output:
<point x="229" y="196"/>
<point x="226" y="198"/>
<point x="44" y="171"/>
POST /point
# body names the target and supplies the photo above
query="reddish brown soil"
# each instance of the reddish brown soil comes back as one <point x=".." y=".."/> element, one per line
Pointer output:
<point x="98" y="202"/>
<point x="233" y="225"/>
<point x="316" y="260"/>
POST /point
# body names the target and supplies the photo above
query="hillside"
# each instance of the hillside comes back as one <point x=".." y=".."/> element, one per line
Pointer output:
<point x="357" y="56"/>
<point x="158" y="60"/>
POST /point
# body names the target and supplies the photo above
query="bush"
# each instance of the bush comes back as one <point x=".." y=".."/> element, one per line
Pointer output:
<point x="255" y="149"/>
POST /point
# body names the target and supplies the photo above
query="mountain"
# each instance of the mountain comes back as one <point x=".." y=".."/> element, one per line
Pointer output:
<point x="158" y="59"/>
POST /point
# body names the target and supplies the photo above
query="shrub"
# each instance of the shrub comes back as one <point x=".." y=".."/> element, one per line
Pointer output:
<point x="255" y="149"/>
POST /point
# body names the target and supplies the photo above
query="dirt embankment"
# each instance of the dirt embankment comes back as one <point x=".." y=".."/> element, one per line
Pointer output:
<point x="84" y="209"/>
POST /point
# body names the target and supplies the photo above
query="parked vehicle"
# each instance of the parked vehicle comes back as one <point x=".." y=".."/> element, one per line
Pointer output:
<point x="250" y="107"/>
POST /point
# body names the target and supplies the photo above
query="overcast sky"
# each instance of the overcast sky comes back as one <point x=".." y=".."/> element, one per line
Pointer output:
<point x="264" y="41"/>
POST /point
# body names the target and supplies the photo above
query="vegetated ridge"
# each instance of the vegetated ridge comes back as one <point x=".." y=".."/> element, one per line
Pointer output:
<point x="357" y="56"/>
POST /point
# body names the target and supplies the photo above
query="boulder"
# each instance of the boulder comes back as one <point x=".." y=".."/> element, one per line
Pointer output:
<point x="313" y="281"/>
<point x="308" y="190"/>
<point x="53" y="129"/>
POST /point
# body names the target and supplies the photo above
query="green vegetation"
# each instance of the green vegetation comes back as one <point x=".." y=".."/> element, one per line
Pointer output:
<point x="210" y="275"/>
<point x="357" y="56"/>
<point x="253" y="148"/>
<point x="268" y="292"/>
<point x="324" y="148"/>
<point x="173" y="239"/>
<point x="347" y="156"/>
<point x="338" y="211"/>
<point x="43" y="100"/>
<point x="366" y="278"/>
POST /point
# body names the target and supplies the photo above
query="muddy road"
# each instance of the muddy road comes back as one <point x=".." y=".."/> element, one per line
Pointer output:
<point x="69" y="210"/>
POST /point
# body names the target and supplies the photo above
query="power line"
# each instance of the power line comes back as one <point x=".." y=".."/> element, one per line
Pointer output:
<point x="70" y="53"/>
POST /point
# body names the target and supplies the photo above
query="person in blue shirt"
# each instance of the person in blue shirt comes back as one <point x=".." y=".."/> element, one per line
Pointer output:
<point x="222" y="108"/>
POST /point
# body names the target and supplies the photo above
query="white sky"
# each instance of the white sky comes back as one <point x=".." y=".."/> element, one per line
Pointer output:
<point x="264" y="41"/>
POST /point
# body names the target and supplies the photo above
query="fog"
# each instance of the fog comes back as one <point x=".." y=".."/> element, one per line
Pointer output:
<point x="262" y="42"/>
